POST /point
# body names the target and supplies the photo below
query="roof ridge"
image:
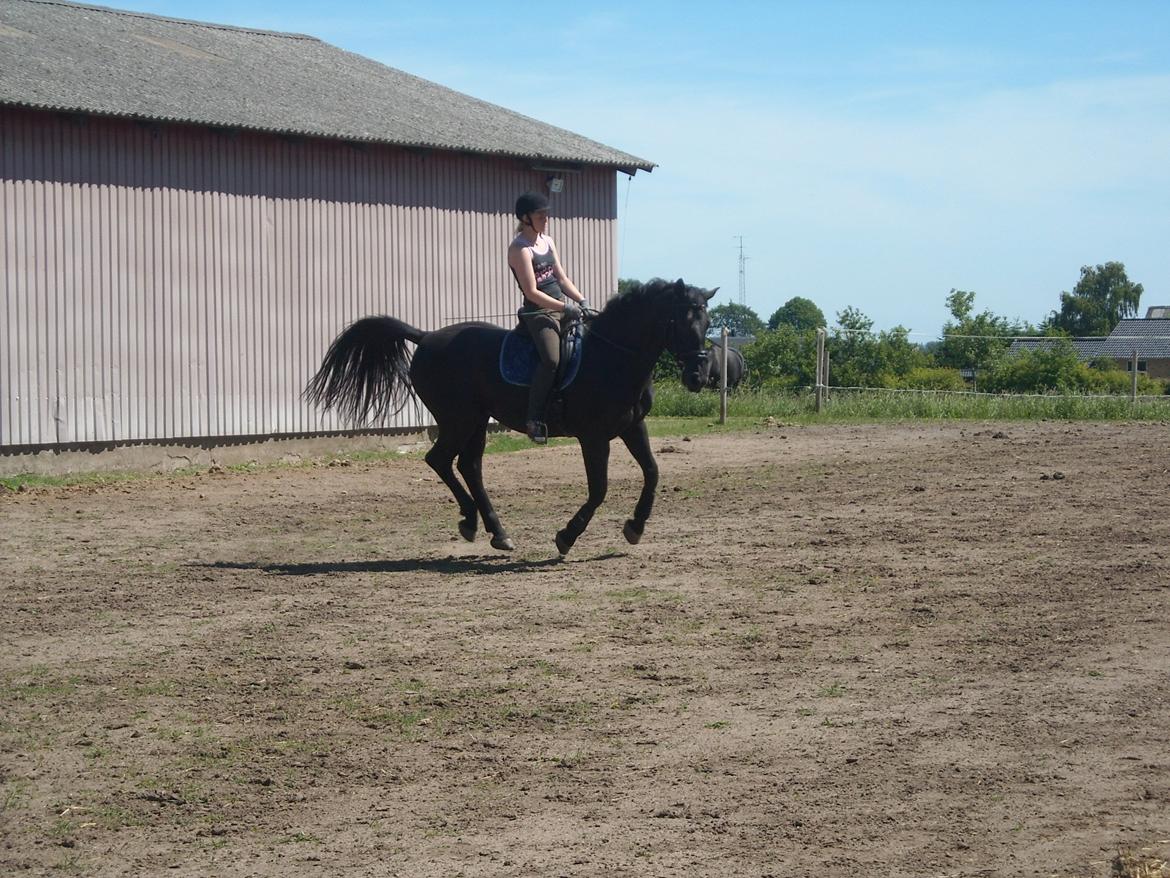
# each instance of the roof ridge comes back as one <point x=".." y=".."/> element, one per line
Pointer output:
<point x="129" y="13"/>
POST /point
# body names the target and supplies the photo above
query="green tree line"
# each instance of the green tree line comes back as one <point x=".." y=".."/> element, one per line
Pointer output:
<point x="974" y="352"/>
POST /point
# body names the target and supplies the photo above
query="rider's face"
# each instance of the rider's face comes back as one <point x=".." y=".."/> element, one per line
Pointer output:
<point x="539" y="221"/>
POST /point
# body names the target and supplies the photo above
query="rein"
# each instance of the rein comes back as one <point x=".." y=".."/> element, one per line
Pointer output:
<point x="593" y="333"/>
<point x="700" y="353"/>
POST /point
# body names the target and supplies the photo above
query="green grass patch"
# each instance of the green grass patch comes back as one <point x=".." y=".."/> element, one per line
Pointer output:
<point x="748" y="405"/>
<point x="833" y="690"/>
<point x="634" y="594"/>
<point x="15" y="795"/>
<point x="38" y="684"/>
<point x="504" y="442"/>
<point x="300" y="838"/>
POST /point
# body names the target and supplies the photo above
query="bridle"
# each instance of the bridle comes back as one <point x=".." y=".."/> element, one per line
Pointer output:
<point x="700" y="354"/>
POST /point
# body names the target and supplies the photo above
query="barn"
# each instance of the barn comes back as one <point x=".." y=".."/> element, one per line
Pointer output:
<point x="189" y="212"/>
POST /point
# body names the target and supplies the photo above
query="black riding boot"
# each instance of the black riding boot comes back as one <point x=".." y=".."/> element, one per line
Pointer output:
<point x="543" y="330"/>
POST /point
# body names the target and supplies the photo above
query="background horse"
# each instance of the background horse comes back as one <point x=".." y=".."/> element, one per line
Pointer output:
<point x="714" y="367"/>
<point x="455" y="371"/>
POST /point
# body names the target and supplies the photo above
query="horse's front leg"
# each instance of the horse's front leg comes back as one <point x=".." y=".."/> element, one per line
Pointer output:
<point x="596" y="454"/>
<point x="638" y="442"/>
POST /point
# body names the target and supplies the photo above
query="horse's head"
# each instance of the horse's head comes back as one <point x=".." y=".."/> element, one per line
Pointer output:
<point x="687" y="334"/>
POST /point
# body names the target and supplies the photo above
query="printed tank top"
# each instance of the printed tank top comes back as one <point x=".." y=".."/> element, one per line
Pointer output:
<point x="542" y="266"/>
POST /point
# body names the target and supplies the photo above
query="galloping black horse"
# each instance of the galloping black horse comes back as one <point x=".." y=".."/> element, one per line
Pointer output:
<point x="455" y="372"/>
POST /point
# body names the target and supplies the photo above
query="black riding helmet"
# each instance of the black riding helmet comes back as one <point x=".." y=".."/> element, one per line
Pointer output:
<point x="530" y="202"/>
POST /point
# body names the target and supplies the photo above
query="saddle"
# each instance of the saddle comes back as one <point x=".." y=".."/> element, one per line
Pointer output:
<point x="518" y="357"/>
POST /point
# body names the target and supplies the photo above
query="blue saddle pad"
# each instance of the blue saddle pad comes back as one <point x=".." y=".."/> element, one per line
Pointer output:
<point x="518" y="358"/>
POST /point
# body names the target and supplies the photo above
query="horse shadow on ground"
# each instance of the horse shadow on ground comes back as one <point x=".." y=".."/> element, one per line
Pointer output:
<point x="481" y="565"/>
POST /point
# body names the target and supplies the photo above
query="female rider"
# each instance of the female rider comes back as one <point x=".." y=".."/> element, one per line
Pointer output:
<point x="551" y="301"/>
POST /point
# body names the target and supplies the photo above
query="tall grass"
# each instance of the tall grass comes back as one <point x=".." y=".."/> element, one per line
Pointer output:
<point x="672" y="400"/>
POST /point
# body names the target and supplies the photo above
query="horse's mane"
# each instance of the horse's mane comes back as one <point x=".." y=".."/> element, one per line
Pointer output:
<point x="636" y="298"/>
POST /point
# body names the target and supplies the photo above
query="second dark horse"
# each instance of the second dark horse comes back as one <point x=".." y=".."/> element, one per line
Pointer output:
<point x="455" y="372"/>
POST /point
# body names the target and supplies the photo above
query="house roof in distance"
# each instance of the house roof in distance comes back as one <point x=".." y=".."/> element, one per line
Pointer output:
<point x="1149" y="336"/>
<point x="62" y="56"/>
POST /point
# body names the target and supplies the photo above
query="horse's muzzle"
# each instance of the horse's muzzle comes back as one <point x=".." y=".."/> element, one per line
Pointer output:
<point x="694" y="371"/>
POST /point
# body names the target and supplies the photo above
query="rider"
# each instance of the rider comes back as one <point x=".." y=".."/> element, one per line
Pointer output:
<point x="550" y="301"/>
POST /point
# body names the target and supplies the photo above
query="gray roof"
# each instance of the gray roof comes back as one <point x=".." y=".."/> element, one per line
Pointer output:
<point x="733" y="341"/>
<point x="69" y="57"/>
<point x="1150" y="337"/>
<point x="1086" y="348"/>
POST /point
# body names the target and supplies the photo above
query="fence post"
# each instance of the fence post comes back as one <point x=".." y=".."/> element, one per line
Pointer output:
<point x="820" y="380"/>
<point x="723" y="378"/>
<point x="825" y="374"/>
<point x="1133" y="383"/>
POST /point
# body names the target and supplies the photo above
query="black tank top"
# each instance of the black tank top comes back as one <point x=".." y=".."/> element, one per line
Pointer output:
<point x="543" y="265"/>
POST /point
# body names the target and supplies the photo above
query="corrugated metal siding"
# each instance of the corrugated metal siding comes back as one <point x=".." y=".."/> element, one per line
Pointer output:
<point x="172" y="282"/>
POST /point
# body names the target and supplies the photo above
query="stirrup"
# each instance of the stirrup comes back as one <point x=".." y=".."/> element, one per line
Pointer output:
<point x="537" y="432"/>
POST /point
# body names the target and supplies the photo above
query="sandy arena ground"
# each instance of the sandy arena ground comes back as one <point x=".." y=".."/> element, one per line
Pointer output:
<point x="873" y="650"/>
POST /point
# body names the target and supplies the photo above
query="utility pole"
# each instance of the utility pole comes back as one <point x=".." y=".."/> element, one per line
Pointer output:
<point x="742" y="272"/>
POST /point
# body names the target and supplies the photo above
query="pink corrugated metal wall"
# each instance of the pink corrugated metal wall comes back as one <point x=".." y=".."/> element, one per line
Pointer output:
<point x="166" y="282"/>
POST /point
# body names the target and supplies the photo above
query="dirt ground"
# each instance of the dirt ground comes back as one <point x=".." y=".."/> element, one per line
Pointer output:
<point x="936" y="650"/>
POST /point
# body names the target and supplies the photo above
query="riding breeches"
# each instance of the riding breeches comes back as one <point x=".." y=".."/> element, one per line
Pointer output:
<point x="545" y="334"/>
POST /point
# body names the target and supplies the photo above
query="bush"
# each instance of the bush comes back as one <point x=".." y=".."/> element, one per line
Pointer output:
<point x="1059" y="369"/>
<point x="1036" y="371"/>
<point x="932" y="378"/>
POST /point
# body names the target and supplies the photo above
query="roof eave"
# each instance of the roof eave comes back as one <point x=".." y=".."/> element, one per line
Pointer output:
<point x="624" y="165"/>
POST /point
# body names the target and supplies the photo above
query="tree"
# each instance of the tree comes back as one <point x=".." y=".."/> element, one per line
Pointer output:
<point x="1101" y="298"/>
<point x="799" y="313"/>
<point x="859" y="357"/>
<point x="974" y="341"/>
<point x="782" y="358"/>
<point x="854" y="356"/>
<point x="739" y="319"/>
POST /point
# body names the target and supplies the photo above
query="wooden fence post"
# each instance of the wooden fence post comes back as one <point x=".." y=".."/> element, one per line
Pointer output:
<point x="820" y="380"/>
<point x="1133" y="383"/>
<point x="825" y="374"/>
<point x="723" y="377"/>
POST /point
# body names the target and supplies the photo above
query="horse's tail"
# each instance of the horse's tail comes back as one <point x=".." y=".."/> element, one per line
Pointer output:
<point x="365" y="374"/>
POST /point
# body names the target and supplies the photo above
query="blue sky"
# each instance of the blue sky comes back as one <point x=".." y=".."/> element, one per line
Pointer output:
<point x="871" y="154"/>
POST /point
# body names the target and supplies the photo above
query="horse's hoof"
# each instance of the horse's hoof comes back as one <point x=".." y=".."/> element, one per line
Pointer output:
<point x="467" y="531"/>
<point x="563" y="543"/>
<point x="632" y="531"/>
<point x="504" y="544"/>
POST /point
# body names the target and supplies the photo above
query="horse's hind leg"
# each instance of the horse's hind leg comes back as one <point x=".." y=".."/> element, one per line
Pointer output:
<point x="471" y="468"/>
<point x="440" y="458"/>
<point x="596" y="454"/>
<point x="638" y="442"/>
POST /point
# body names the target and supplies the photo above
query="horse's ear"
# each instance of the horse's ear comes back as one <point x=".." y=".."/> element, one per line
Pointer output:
<point x="680" y="286"/>
<point x="710" y="295"/>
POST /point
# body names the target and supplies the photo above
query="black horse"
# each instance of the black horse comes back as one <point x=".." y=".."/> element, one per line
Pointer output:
<point x="455" y="372"/>
<point x="735" y="367"/>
